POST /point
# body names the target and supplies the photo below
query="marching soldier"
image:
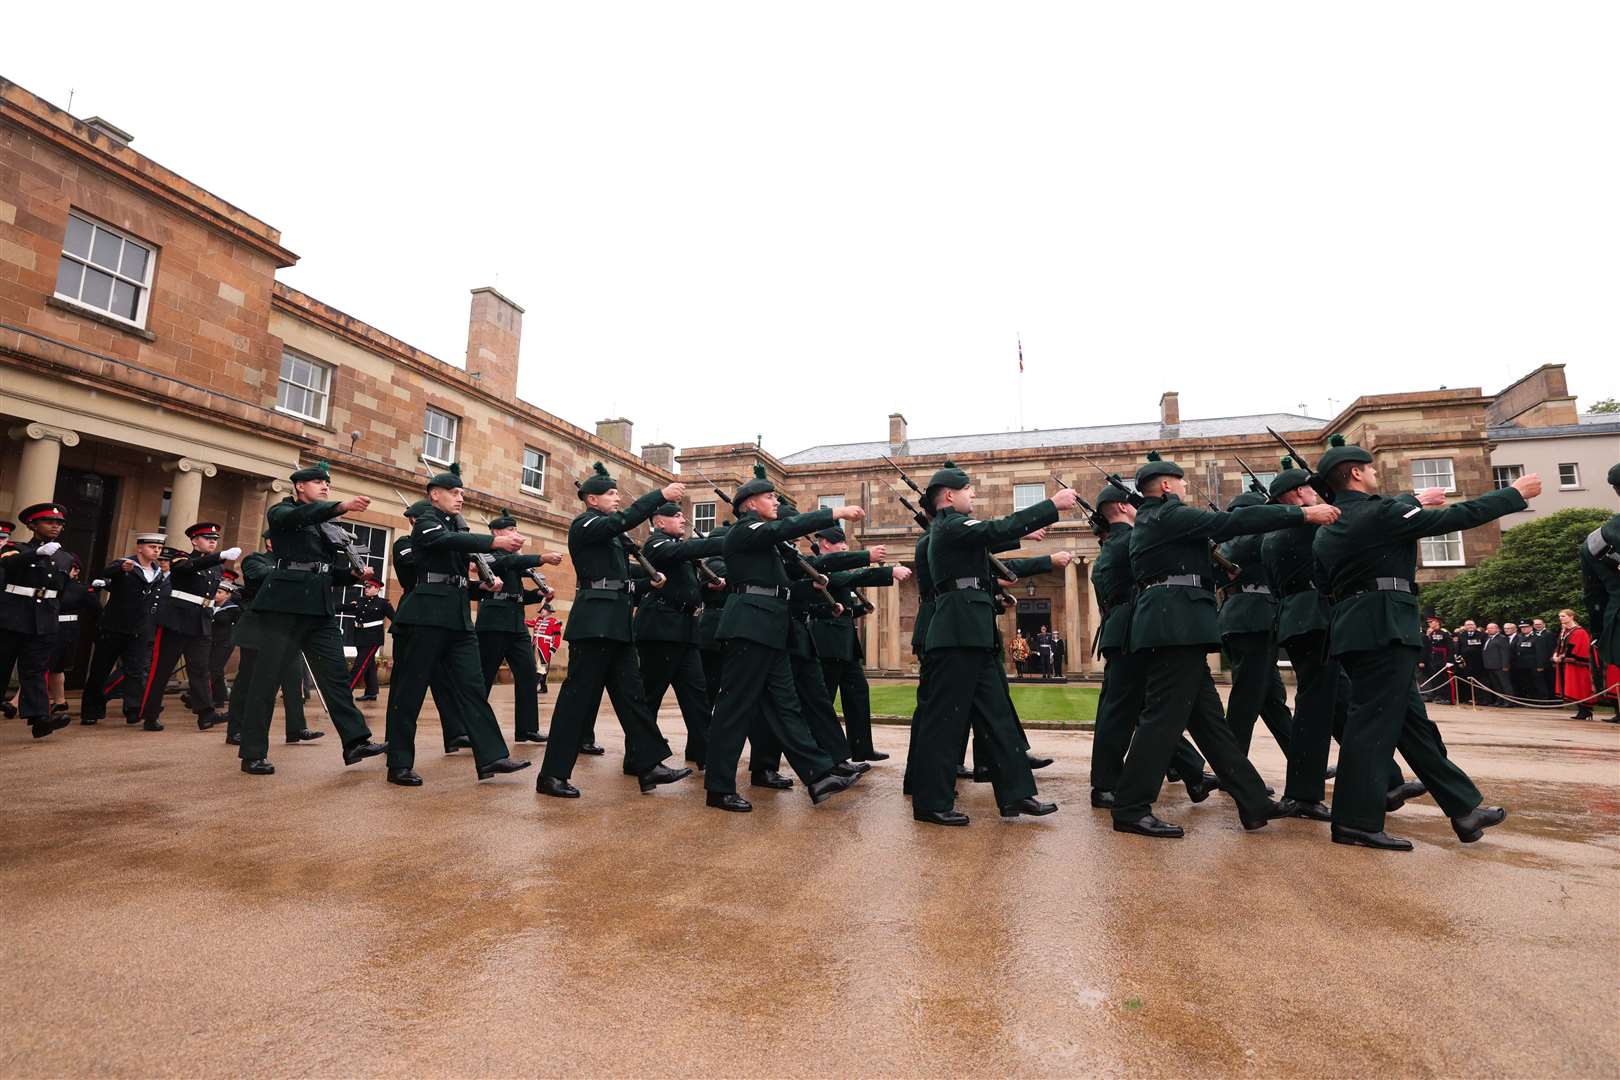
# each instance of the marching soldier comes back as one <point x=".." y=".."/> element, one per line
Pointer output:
<point x="405" y="570"/>
<point x="185" y="626"/>
<point x="134" y="586"/>
<point x="1123" y="683"/>
<point x="839" y="646"/>
<point x="33" y="575"/>
<point x="246" y="637"/>
<point x="1248" y="625"/>
<point x="1366" y="561"/>
<point x="601" y="655"/>
<point x="1175" y="622"/>
<point x="968" y="684"/>
<point x="439" y="614"/>
<point x="294" y="612"/>
<point x="371" y="613"/>
<point x="502" y="636"/>
<point x="666" y="626"/>
<point x="1600" y="583"/>
<point x="714" y="606"/>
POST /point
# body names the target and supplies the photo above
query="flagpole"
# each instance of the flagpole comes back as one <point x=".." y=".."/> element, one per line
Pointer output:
<point x="1020" y="382"/>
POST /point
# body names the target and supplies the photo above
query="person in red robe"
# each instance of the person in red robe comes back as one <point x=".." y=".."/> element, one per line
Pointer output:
<point x="1573" y="660"/>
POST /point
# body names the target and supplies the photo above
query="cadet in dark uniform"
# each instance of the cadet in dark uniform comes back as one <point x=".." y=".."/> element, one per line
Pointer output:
<point x="246" y="638"/>
<point x="227" y="612"/>
<point x="371" y="613"/>
<point x="666" y="626"/>
<point x="502" y="637"/>
<point x="32" y="575"/>
<point x="1366" y="562"/>
<point x="1175" y="621"/>
<point x="455" y="738"/>
<point x="185" y="626"/>
<point x="1600" y="586"/>
<point x="294" y="612"/>
<point x="134" y="585"/>
<point x="75" y="604"/>
<point x="1248" y="625"/>
<point x="968" y="682"/>
<point x="839" y="645"/>
<point x="1470" y="651"/>
<point x="439" y="615"/>
<point x="1124" y="683"/>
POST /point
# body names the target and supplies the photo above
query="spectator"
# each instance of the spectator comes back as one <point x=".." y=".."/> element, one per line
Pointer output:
<point x="1498" y="659"/>
<point x="1573" y="661"/>
<point x="1043" y="650"/>
<point x="1546" y="645"/>
<point x="1020" y="653"/>
<point x="1437" y="645"/>
<point x="1526" y="679"/>
<point x="1059" y="651"/>
<point x="1469" y="648"/>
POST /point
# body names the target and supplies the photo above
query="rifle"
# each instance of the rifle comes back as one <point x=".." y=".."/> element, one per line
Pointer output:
<point x="785" y="549"/>
<point x="1232" y="569"/>
<point x="1093" y="517"/>
<point x="1254" y="481"/>
<point x="533" y="574"/>
<point x="705" y="575"/>
<point x="1114" y="478"/>
<point x="343" y="541"/>
<point x="997" y="567"/>
<point x="1317" y="480"/>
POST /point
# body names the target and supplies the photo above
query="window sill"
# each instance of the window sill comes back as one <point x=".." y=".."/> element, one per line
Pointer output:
<point x="1442" y="565"/>
<point x="302" y="419"/>
<point x="95" y="316"/>
<point x="1574" y="487"/>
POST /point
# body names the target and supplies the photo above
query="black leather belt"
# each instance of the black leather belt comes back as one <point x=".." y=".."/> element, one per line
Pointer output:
<point x="1383" y="584"/>
<point x="960" y="584"/>
<point x="684" y="609"/>
<point x="1178" y="581"/>
<point x="305" y="567"/>
<point x="515" y="597"/>
<point x="458" y="580"/>
<point x="1286" y="593"/>
<point x="780" y="592"/>
<point x="610" y="585"/>
<point x="1232" y="590"/>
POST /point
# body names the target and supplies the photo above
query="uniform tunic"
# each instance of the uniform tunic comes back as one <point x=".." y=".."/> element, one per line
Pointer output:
<point x="185" y="628"/>
<point x="123" y="637"/>
<point x="503" y="638"/>
<point x="29" y="610"/>
<point x="1248" y="625"/>
<point x="666" y="629"/>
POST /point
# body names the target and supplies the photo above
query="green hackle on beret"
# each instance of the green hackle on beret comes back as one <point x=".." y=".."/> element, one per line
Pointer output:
<point x="318" y="471"/>
<point x="1340" y="452"/>
<point x="1156" y="466"/>
<point x="450" y="478"/>
<point x="599" y="482"/>
<point x="757" y="484"/>
<point x="505" y="520"/>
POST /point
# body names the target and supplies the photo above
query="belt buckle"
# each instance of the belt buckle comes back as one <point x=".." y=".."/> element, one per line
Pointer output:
<point x="39" y="593"/>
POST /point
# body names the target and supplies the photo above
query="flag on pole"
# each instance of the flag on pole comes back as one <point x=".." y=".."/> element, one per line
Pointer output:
<point x="1020" y="354"/>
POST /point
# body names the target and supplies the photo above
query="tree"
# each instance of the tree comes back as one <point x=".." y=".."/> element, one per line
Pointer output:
<point x="1608" y="404"/>
<point x="1536" y="573"/>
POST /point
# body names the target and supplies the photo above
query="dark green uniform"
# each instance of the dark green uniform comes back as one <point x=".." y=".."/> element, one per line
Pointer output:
<point x="1248" y="625"/>
<point x="450" y="728"/>
<point x="843" y="661"/>
<point x="1367" y="562"/>
<point x="714" y="606"/>
<point x="246" y="636"/>
<point x="1600" y="582"/>
<point x="601" y="656"/>
<point x="1124" y="682"/>
<point x="294" y="611"/>
<point x="666" y="635"/>
<point x="1175" y="622"/>
<point x="754" y="633"/>
<point x="919" y="648"/>
<point x="436" y="630"/>
<point x="503" y="638"/>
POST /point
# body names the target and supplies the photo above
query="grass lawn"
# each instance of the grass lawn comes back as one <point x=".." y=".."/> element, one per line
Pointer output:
<point x="1035" y="704"/>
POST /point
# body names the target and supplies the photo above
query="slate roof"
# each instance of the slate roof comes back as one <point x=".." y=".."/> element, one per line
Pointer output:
<point x="1590" y="424"/>
<point x="1216" y="427"/>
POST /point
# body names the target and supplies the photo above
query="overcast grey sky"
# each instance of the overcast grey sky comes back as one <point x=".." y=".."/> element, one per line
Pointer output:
<point x="734" y="219"/>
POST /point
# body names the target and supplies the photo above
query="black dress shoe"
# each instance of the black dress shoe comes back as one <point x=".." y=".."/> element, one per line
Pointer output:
<point x="828" y="786"/>
<point x="366" y="697"/>
<point x="661" y="774"/>
<point x="502" y="765"/>
<point x="1313" y="811"/>
<point x="592" y="749"/>
<point x="135" y="719"/>
<point x="1031" y="807"/>
<point x="1201" y="789"/>
<point x="940" y="817"/>
<point x="851" y="768"/>
<point x="871" y="755"/>
<point x="88" y="721"/>
<point x="1148" y="825"/>
<point x="8" y="710"/>
<point x="233" y="740"/>
<point x="769" y="778"/>
<point x="981" y="774"/>
<point x="59" y="707"/>
<point x="1383" y="841"/>
<point x="1472" y="825"/>
<point x="307" y="735"/>
<point x="360" y="751"/>
<point x="258" y="767"/>
<point x="1396" y="797"/>
<point x="460" y="742"/>
<point x="728" y="800"/>
<point x="208" y="720"/>
<point x="404" y="778"/>
<point x="1038" y="762"/>
<point x="1267" y="812"/>
<point x="964" y="773"/>
<point x="1332" y="771"/>
<point x="152" y="725"/>
<point x="1102" y="800"/>
<point x="41" y="727"/>
<point x="530" y="736"/>
<point x="557" y="789"/>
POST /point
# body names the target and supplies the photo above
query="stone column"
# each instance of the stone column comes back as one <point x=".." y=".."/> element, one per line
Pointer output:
<point x="890" y="610"/>
<point x="869" y="629"/>
<point x="185" y="497"/>
<point x="41" y="455"/>
<point x="1074" y="658"/>
<point x="1093" y="621"/>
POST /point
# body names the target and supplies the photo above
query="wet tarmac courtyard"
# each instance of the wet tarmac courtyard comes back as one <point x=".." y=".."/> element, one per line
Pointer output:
<point x="165" y="914"/>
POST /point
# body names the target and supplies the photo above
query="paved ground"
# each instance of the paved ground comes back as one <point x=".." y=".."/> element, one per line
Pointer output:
<point x="165" y="914"/>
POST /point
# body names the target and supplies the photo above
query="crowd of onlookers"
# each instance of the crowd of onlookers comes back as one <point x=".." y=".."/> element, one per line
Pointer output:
<point x="1512" y="664"/>
<point x="1042" y="653"/>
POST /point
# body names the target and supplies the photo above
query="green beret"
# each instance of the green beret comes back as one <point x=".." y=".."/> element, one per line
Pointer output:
<point x="1614" y="475"/>
<point x="1112" y="493"/>
<point x="1246" y="498"/>
<point x="417" y="509"/>
<point x="317" y="471"/>
<point x="1339" y="452"/>
<point x="506" y="520"/>
<point x="757" y="485"/>
<point x="946" y="476"/>
<point x="1289" y="479"/>
<point x="451" y="478"/>
<point x="668" y="509"/>
<point x="1156" y="466"/>
<point x="599" y="482"/>
<point x="833" y="534"/>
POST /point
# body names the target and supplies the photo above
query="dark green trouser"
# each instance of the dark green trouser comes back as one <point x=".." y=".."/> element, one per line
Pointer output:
<point x="450" y="726"/>
<point x="1124" y="687"/>
<point x="817" y="707"/>
<point x="848" y="678"/>
<point x="1320" y="706"/>
<point x="983" y="757"/>
<point x="428" y="654"/>
<point x="1181" y="697"/>
<point x="1386" y="714"/>
<point x="517" y="650"/>
<point x="292" y="693"/>
<point x="965" y="686"/>
<point x="595" y="665"/>
<point x="925" y="675"/>
<point x="666" y="664"/>
<point x="759" y="683"/>
<point x="711" y="674"/>
<point x="282" y="635"/>
<point x="1257" y="690"/>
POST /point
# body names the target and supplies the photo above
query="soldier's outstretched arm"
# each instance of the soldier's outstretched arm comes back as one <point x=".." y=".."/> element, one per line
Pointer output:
<point x="1244" y="521"/>
<point x="841" y="560"/>
<point x="867" y="577"/>
<point x="1407" y="520"/>
<point x="762" y="534"/>
<point x="958" y="531"/>
<point x="664" y="551"/>
<point x="296" y="515"/>
<point x="431" y="534"/>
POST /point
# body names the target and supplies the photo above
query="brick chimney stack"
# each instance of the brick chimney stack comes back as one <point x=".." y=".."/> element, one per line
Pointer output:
<point x="616" y="432"/>
<point x="1169" y="408"/>
<point x="493" y="332"/>
<point x="660" y="455"/>
<point x="897" y="431"/>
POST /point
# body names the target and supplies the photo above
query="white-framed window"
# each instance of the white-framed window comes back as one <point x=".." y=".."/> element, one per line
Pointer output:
<point x="105" y="270"/>
<point x="703" y="517"/>
<point x="439" y="436"/>
<point x="1569" y="475"/>
<point x="534" y="471"/>
<point x="1433" y="472"/>
<point x="304" y="389"/>
<point x="1265" y="479"/>
<point x="1027" y="495"/>
<point x="829" y="502"/>
<point x="374" y="542"/>
<point x="1503" y="475"/>
<point x="1443" y="550"/>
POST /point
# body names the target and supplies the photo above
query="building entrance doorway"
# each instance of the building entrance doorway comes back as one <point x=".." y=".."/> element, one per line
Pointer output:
<point x="1033" y="614"/>
<point x="90" y="500"/>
